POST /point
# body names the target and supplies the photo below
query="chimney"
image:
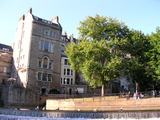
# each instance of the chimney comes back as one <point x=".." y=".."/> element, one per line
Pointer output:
<point x="22" y="17"/>
<point x="30" y="11"/>
<point x="55" y="20"/>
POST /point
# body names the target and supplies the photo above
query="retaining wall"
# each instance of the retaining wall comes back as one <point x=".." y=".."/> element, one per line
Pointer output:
<point x="106" y="105"/>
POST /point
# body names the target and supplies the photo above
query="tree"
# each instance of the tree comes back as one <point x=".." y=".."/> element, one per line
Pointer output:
<point x="154" y="55"/>
<point x="136" y="47"/>
<point x="94" y="60"/>
<point x="98" y="56"/>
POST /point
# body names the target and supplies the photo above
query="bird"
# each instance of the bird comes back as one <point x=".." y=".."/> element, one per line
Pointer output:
<point x="95" y="110"/>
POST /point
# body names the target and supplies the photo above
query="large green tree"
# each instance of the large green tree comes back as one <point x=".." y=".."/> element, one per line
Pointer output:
<point x="136" y="63"/>
<point x="98" y="54"/>
<point x="154" y="55"/>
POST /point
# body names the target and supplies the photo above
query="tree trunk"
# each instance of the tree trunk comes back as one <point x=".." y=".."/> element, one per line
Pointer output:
<point x="102" y="91"/>
<point x="136" y="87"/>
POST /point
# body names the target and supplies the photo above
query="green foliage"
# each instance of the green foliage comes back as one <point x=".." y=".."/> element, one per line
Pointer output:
<point x="94" y="60"/>
<point x="102" y="28"/>
<point x="136" y="47"/>
<point x="104" y="45"/>
<point x="154" y="55"/>
<point x="98" y="56"/>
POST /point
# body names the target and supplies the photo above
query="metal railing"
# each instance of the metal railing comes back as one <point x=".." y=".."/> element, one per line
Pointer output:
<point x="108" y="96"/>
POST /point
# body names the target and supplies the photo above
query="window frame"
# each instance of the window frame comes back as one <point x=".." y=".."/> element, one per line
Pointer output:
<point x="49" y="63"/>
<point x="46" y="46"/>
<point x="44" y="77"/>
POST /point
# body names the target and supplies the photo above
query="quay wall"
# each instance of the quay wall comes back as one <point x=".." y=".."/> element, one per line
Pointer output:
<point x="104" y="105"/>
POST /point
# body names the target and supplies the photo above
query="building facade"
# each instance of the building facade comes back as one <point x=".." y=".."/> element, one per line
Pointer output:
<point x="5" y="68"/>
<point x="5" y="63"/>
<point x="37" y="53"/>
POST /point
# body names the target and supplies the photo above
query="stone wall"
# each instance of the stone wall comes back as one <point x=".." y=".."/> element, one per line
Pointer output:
<point x="104" y="105"/>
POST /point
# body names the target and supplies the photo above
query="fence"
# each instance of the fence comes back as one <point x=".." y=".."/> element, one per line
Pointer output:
<point x="108" y="96"/>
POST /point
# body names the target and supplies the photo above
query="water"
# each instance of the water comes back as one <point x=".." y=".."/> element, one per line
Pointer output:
<point x="13" y="117"/>
<point x="6" y="114"/>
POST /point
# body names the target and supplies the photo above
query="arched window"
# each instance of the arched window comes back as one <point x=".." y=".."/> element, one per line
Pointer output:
<point x="45" y="62"/>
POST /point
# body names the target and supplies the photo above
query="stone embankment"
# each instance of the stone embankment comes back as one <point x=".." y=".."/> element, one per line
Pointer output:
<point x="104" y="105"/>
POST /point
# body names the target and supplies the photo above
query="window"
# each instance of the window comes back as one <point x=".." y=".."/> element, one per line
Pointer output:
<point x="46" y="46"/>
<point x="40" y="63"/>
<point x="51" y="48"/>
<point x="71" y="72"/>
<point x="64" y="71"/>
<point x="50" y="65"/>
<point x="62" y="48"/>
<point x="68" y="71"/>
<point x="49" y="32"/>
<point x="52" y="34"/>
<point x="46" y="32"/>
<point x="41" y="45"/>
<point x="5" y="49"/>
<point x="49" y="77"/>
<point x="43" y="76"/>
<point x="45" y="62"/>
<point x="67" y="81"/>
<point x="61" y="80"/>
<point x="71" y="81"/>
<point x="66" y="62"/>
<point x="64" y="80"/>
<point x="39" y="76"/>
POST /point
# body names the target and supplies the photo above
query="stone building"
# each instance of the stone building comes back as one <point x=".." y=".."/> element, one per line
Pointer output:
<point x="5" y="68"/>
<point x="5" y="62"/>
<point x="37" y="53"/>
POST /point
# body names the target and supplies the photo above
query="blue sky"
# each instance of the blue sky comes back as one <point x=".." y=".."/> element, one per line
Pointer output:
<point x="141" y="15"/>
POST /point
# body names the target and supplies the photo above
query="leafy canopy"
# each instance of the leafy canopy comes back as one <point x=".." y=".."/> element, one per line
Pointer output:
<point x="98" y="54"/>
<point x="94" y="60"/>
<point x="102" y="28"/>
<point x="154" y="55"/>
<point x="136" y="47"/>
